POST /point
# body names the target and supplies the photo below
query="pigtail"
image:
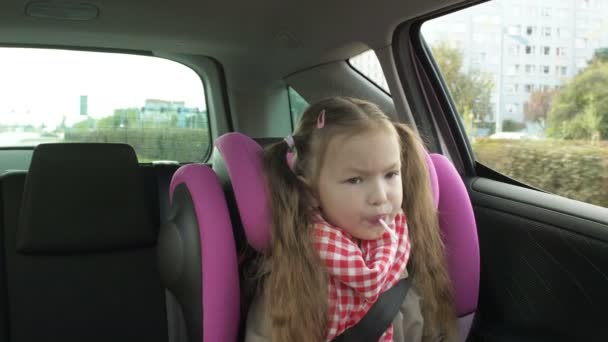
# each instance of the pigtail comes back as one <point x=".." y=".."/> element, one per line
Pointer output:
<point x="428" y="261"/>
<point x="296" y="290"/>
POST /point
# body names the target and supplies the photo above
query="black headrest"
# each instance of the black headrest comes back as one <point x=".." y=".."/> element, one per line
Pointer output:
<point x="81" y="197"/>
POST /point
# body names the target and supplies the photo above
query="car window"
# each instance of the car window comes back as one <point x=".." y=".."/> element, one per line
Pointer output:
<point x="530" y="85"/>
<point x="155" y="105"/>
<point x="297" y="105"/>
<point x="368" y="65"/>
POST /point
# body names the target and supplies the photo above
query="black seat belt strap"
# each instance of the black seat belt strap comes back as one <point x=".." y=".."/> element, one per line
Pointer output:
<point x="379" y="317"/>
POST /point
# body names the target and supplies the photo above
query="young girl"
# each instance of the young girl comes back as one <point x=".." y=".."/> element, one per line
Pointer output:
<point x="335" y="184"/>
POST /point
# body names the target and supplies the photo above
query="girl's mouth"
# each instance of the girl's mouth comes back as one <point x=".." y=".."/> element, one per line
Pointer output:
<point x="375" y="220"/>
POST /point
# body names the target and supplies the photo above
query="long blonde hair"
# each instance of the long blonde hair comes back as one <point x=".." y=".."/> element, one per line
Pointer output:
<point x="294" y="280"/>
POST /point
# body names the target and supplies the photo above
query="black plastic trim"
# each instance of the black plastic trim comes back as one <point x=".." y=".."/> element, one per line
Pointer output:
<point x="571" y="215"/>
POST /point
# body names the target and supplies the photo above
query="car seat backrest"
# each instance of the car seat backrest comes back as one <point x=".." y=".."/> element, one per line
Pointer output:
<point x="198" y="260"/>
<point x="241" y="158"/>
<point x="80" y="248"/>
<point x="459" y="229"/>
<point x="247" y="184"/>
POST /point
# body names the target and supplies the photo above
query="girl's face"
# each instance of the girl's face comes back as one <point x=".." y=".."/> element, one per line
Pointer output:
<point x="360" y="182"/>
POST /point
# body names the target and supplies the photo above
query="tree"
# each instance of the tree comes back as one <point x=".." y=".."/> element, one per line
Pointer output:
<point x="586" y="126"/>
<point x="470" y="90"/>
<point x="84" y="125"/>
<point x="61" y="127"/>
<point x="580" y="109"/>
<point x="127" y="118"/>
<point x="121" y="118"/>
<point x="538" y="106"/>
<point x="600" y="55"/>
<point x="109" y="122"/>
<point x="509" y="125"/>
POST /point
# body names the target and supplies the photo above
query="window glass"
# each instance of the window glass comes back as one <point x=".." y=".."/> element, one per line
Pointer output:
<point x="155" y="105"/>
<point x="368" y="65"/>
<point x="553" y="133"/>
<point x="297" y="105"/>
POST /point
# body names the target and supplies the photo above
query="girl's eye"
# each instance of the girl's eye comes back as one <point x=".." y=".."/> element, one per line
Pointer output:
<point x="392" y="174"/>
<point x="354" y="180"/>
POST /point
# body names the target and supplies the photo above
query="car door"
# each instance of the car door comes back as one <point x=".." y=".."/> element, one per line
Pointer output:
<point x="504" y="87"/>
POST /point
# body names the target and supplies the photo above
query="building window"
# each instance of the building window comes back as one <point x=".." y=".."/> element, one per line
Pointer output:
<point x="514" y="49"/>
<point x="530" y="30"/>
<point x="547" y="31"/>
<point x="515" y="30"/>
<point x="581" y="43"/>
<point x="546" y="50"/>
<point x="545" y="12"/>
<point x="482" y="57"/>
<point x="546" y="69"/>
<point x="530" y="49"/>
<point x="513" y="88"/>
<point x="513" y="69"/>
<point x="561" y="70"/>
<point x="562" y="32"/>
<point x="512" y="107"/>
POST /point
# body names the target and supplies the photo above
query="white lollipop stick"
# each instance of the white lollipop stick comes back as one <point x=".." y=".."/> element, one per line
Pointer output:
<point x="390" y="231"/>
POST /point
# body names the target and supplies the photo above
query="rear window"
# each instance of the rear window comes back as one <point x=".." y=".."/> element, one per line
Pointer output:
<point x="153" y="104"/>
<point x="368" y="65"/>
<point x="297" y="105"/>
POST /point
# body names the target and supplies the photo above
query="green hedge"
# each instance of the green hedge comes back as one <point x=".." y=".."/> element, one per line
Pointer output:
<point x="179" y="144"/>
<point x="572" y="169"/>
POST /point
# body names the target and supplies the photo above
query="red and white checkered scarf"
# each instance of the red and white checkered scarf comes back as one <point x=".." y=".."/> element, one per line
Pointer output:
<point x="359" y="272"/>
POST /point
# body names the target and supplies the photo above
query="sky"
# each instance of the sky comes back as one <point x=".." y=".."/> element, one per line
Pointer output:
<point x="41" y="86"/>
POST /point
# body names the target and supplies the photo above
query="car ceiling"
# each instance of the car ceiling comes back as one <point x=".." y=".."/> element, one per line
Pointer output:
<point x="253" y="40"/>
